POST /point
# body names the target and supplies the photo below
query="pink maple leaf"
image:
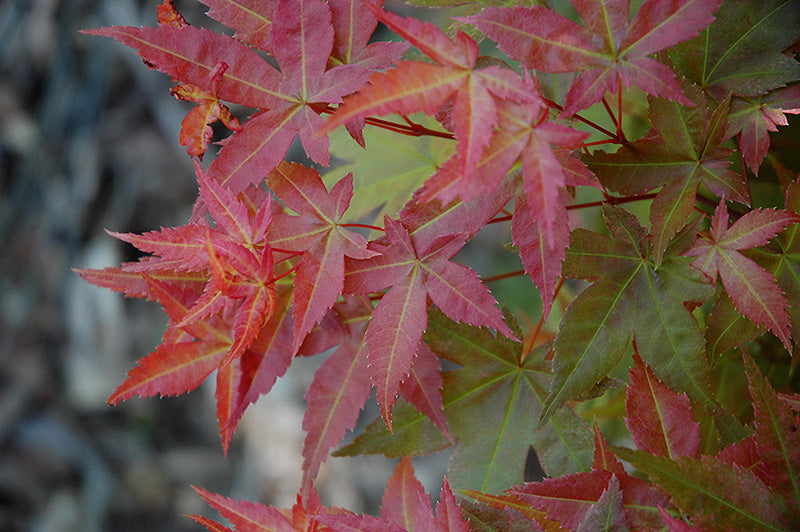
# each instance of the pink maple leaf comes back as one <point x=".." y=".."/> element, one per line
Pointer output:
<point x="400" y="317"/>
<point x="610" y="50"/>
<point x="418" y="86"/>
<point x="659" y="420"/>
<point x="315" y="231"/>
<point x="753" y="290"/>
<point x="753" y="118"/>
<point x="301" y="37"/>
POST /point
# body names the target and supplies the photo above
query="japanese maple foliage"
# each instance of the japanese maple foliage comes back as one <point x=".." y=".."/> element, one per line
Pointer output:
<point x="672" y="274"/>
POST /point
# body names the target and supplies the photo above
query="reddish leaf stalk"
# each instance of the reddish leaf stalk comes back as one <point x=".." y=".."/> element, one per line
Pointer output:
<point x="284" y="274"/>
<point x="364" y="226"/>
<point x="540" y="324"/>
<point x="744" y="168"/>
<point x="612" y="200"/>
<point x="619" y="106"/>
<point x="610" y="114"/>
<point x="411" y="129"/>
<point x="507" y="275"/>
<point x="614" y="137"/>
<point x="287" y="252"/>
<point x="500" y="219"/>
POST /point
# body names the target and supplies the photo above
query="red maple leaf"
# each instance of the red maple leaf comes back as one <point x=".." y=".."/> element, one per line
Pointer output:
<point x="522" y="132"/>
<point x="252" y="19"/>
<point x="340" y="387"/>
<point x="354" y="22"/>
<point x="659" y="420"/>
<point x="753" y="118"/>
<point x="315" y="232"/>
<point x="753" y="290"/>
<point x="455" y="79"/>
<point x="406" y="507"/>
<point x="196" y="132"/>
<point x="414" y="273"/>
<point x="254" y="517"/>
<point x="577" y="501"/>
<point x="217" y="285"/>
<point x="611" y="50"/>
<point x="290" y="100"/>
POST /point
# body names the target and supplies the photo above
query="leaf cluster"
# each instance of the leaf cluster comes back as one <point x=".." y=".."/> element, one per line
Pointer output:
<point x="690" y="274"/>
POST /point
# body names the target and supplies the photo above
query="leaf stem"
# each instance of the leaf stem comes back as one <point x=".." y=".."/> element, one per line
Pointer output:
<point x="287" y="251"/>
<point x="613" y="200"/>
<point x="540" y="324"/>
<point x="744" y="168"/>
<point x="610" y="113"/>
<point x="363" y="226"/>
<point x="499" y="219"/>
<point x="284" y="274"/>
<point x="619" y="106"/>
<point x="615" y="138"/>
<point x="409" y="128"/>
<point x="515" y="273"/>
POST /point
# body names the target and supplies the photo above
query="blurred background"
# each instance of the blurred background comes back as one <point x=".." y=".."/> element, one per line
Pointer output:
<point x="88" y="140"/>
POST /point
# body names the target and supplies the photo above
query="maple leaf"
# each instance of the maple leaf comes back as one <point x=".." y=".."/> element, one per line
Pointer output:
<point x="752" y="289"/>
<point x="418" y="86"/>
<point x="608" y="512"/>
<point x="541" y="261"/>
<point x="491" y="403"/>
<point x="216" y="285"/>
<point x="753" y="118"/>
<point x="726" y="328"/>
<point x="776" y="437"/>
<point x="183" y="359"/>
<point x="740" y="53"/>
<point x="302" y="38"/>
<point x="253" y="374"/>
<point x="681" y="151"/>
<point x="252" y="19"/>
<point x="196" y="132"/>
<point x="129" y="279"/>
<point x="254" y="517"/>
<point x="735" y="484"/>
<point x="317" y="233"/>
<point x="541" y="232"/>
<point x="406" y="507"/>
<point x="488" y="514"/>
<point x="240" y="260"/>
<point x="522" y="133"/>
<point x="354" y="22"/>
<point x="188" y="354"/>
<point x="782" y="259"/>
<point x="391" y="169"/>
<point x="659" y="420"/>
<point x="630" y="289"/>
<point x="610" y="50"/>
<point x="716" y="495"/>
<point x="340" y="387"/>
<point x="289" y="100"/>
<point x="399" y="319"/>
<point x="578" y="501"/>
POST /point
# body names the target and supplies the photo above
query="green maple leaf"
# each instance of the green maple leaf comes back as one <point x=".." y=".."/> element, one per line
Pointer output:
<point x="680" y="152"/>
<point x="782" y="259"/>
<point x="740" y="52"/>
<point x="389" y="170"/>
<point x="492" y="405"/>
<point x="632" y="296"/>
<point x="716" y="494"/>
